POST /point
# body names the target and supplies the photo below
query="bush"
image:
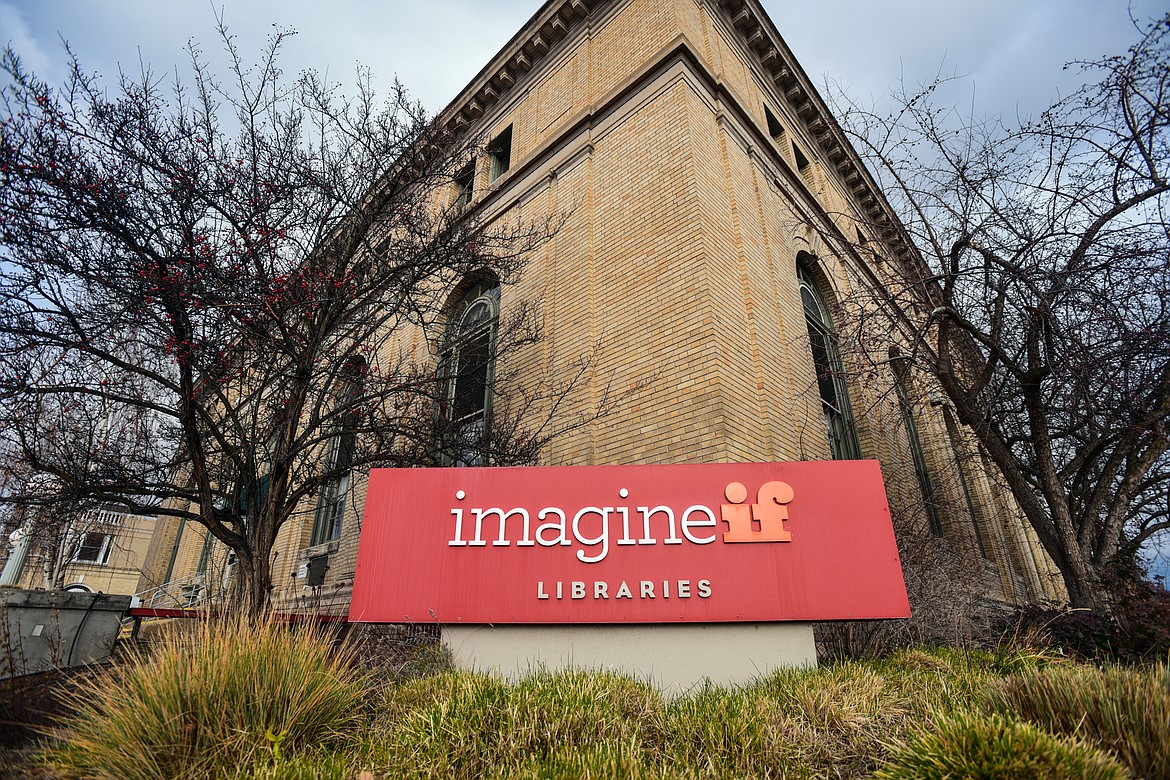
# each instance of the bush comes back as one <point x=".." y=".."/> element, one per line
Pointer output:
<point x="1137" y="630"/>
<point x="991" y="746"/>
<point x="1124" y="710"/>
<point x="214" y="701"/>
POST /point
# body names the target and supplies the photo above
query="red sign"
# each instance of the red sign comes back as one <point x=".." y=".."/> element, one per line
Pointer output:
<point x="629" y="544"/>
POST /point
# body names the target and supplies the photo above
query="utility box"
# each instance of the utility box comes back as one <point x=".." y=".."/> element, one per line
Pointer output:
<point x="46" y="630"/>
<point x="317" y="568"/>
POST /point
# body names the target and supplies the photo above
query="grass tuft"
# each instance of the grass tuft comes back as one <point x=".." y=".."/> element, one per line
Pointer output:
<point x="213" y="701"/>
<point x="464" y="724"/>
<point x="1125" y="710"/>
<point x="976" y="746"/>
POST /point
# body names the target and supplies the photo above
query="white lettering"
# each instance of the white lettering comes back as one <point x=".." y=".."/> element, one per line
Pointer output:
<point x="624" y="511"/>
<point x="644" y="589"/>
<point x="589" y="541"/>
<point x="458" y="540"/>
<point x="501" y="538"/>
<point x="563" y="537"/>
<point x="555" y="529"/>
<point x="647" y="512"/>
<point x="687" y="523"/>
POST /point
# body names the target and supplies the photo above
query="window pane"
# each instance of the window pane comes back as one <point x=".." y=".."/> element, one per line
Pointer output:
<point x="830" y="374"/>
<point x="471" y="379"/>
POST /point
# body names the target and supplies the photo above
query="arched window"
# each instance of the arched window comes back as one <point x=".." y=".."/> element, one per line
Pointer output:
<point x="822" y="341"/>
<point x="469" y="365"/>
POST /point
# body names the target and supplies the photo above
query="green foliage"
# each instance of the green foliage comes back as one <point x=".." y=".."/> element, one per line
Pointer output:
<point x="1124" y="710"/>
<point x="988" y="747"/>
<point x="796" y="721"/>
<point x="471" y="725"/>
<point x="211" y="702"/>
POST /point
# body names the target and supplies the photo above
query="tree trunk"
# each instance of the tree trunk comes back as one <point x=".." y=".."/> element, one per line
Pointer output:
<point x="1082" y="583"/>
<point x="253" y="587"/>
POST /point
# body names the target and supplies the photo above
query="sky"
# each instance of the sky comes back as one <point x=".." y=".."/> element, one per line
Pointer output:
<point x="1008" y="55"/>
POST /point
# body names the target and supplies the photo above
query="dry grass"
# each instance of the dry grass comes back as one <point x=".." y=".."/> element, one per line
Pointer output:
<point x="971" y="745"/>
<point x="1125" y="710"/>
<point x="216" y="705"/>
<point x="211" y="702"/>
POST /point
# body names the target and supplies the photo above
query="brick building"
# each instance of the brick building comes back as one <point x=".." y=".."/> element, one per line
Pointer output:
<point x="101" y="551"/>
<point x="715" y="221"/>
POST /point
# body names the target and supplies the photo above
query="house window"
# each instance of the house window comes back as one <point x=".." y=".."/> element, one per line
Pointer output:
<point x="775" y="129"/>
<point x="500" y="154"/>
<point x="957" y="446"/>
<point x="205" y="553"/>
<point x="933" y="521"/>
<point x="464" y="186"/>
<point x="822" y="341"/>
<point x="337" y="465"/>
<point x="93" y="548"/>
<point x="803" y="165"/>
<point x="334" y="489"/>
<point x="468" y="368"/>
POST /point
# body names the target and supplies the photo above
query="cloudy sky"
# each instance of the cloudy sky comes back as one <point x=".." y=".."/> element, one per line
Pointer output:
<point x="1011" y="51"/>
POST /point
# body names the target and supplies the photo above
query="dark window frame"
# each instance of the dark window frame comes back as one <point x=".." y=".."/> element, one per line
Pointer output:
<point x="840" y="427"/>
<point x="500" y="154"/>
<point x="468" y="372"/>
<point x="90" y="553"/>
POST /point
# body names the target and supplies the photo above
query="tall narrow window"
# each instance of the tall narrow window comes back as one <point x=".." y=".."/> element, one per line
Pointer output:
<point x="464" y="184"/>
<point x="337" y="464"/>
<point x="964" y="484"/>
<point x="803" y="165"/>
<point x="500" y="154"/>
<point x="822" y="341"/>
<point x="335" y="488"/>
<point x="205" y="553"/>
<point x="775" y="129"/>
<point x="469" y="366"/>
<point x="916" y="453"/>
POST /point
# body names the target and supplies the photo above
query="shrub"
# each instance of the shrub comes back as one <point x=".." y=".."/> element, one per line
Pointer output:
<point x="211" y="702"/>
<point x="1137" y="628"/>
<point x="968" y="745"/>
<point x="1124" y="710"/>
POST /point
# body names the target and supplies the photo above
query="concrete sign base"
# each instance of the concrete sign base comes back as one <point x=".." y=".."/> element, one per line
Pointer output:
<point x="674" y="658"/>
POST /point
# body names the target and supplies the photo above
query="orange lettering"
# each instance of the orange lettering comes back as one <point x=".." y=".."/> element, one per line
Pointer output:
<point x="769" y="511"/>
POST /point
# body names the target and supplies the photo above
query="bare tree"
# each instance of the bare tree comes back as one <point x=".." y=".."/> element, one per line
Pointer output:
<point x="1038" y="294"/>
<point x="220" y="274"/>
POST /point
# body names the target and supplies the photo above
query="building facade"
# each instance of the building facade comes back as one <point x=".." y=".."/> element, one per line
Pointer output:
<point x="102" y="551"/>
<point x="718" y="242"/>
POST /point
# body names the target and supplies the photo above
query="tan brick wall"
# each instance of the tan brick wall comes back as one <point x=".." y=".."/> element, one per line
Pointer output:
<point x="131" y="538"/>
